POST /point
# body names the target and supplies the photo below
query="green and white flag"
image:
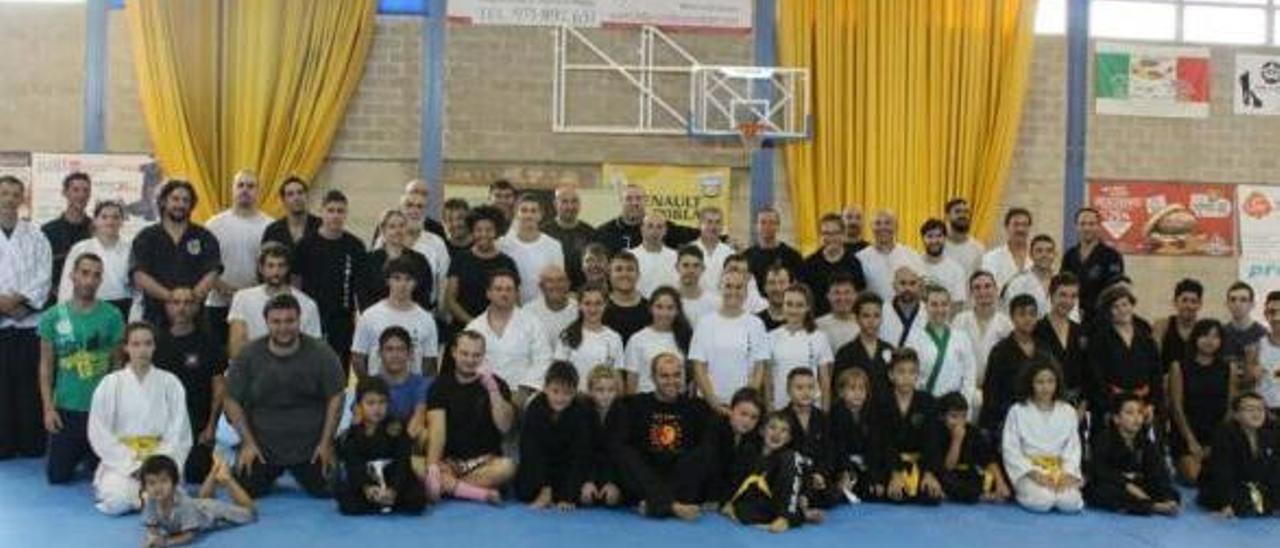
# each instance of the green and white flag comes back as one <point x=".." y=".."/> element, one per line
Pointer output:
<point x="1135" y="80"/>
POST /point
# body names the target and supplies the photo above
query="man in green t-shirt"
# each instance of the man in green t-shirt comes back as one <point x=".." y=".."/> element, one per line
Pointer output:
<point x="77" y="338"/>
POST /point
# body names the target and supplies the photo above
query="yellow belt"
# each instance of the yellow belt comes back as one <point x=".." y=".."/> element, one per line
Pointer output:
<point x="1052" y="466"/>
<point x="754" y="480"/>
<point x="911" y="475"/>
<point x="988" y="479"/>
<point x="142" y="446"/>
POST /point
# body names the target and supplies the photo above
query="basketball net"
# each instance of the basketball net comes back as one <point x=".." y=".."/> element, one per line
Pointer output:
<point x="752" y="135"/>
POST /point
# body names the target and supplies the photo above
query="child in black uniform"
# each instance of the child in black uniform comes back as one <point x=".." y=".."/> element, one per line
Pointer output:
<point x="1242" y="476"/>
<point x="375" y="473"/>
<point x="904" y="437"/>
<point x="970" y="467"/>
<point x="772" y="494"/>
<point x="555" y="444"/>
<point x="1127" y="473"/>
<point x="811" y="437"/>
<point x="733" y="437"/>
<point x="851" y="436"/>
<point x="604" y="386"/>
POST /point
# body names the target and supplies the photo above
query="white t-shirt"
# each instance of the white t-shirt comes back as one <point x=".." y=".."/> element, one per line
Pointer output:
<point x="968" y="254"/>
<point x="838" y="332"/>
<point x="642" y="348"/>
<point x="1000" y="263"/>
<point x="1269" y="386"/>
<point x="878" y="268"/>
<point x="950" y="275"/>
<point x="553" y="322"/>
<point x="247" y="306"/>
<point x="437" y="254"/>
<point x="701" y="307"/>
<point x="115" y="270"/>
<point x="531" y="258"/>
<point x="656" y="269"/>
<point x="714" y="262"/>
<point x="793" y="350"/>
<point x="730" y="347"/>
<point x="239" y="240"/>
<point x="377" y="318"/>
<point x="603" y="347"/>
<point x="520" y="355"/>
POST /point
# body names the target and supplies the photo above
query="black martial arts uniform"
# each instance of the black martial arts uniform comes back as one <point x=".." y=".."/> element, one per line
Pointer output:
<point x="906" y="443"/>
<point x="555" y="451"/>
<point x="359" y="453"/>
<point x="1245" y="478"/>
<point x="1116" y="464"/>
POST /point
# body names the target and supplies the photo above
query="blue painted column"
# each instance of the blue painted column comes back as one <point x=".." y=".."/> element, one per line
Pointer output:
<point x="766" y="55"/>
<point x="431" y="151"/>
<point x="1073" y="189"/>
<point x="95" y="75"/>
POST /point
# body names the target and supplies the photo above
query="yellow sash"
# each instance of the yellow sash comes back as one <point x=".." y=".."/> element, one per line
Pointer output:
<point x="911" y="475"/>
<point x="1050" y="465"/>
<point x="754" y="480"/>
<point x="142" y="446"/>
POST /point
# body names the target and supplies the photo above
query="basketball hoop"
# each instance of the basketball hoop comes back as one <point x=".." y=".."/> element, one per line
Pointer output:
<point x="752" y="134"/>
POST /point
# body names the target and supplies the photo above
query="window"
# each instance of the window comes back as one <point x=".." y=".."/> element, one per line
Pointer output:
<point x="1243" y="22"/>
<point x="1133" y="20"/>
<point x="1227" y="25"/>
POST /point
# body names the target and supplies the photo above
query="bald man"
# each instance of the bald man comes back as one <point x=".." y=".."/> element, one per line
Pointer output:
<point x="572" y="232"/>
<point x="555" y="308"/>
<point x="239" y="231"/>
<point x="623" y="232"/>
<point x="885" y="256"/>
<point x="657" y="261"/>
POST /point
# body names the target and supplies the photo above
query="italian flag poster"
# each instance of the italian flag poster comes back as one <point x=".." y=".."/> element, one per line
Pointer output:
<point x="1136" y="80"/>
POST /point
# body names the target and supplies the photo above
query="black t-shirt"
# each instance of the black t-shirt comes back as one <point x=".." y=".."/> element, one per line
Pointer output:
<point x="278" y="231"/>
<point x="573" y="240"/>
<point x="663" y="431"/>
<point x="375" y="278"/>
<point x="818" y="273"/>
<point x="472" y="274"/>
<point x="618" y="235"/>
<point x="171" y="264"/>
<point x="469" y="428"/>
<point x="769" y="323"/>
<point x="627" y="320"/>
<point x="854" y="355"/>
<point x="1235" y="339"/>
<point x="195" y="359"/>
<point x="760" y="259"/>
<point x="62" y="234"/>
<point x="330" y="271"/>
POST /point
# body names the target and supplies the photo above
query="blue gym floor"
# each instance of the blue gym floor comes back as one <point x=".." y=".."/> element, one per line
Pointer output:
<point x="35" y="514"/>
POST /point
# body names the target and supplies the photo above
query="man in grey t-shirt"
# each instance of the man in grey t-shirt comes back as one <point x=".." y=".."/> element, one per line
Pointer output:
<point x="284" y="396"/>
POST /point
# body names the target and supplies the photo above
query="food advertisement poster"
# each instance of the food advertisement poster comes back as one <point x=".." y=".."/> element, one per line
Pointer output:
<point x="1166" y="218"/>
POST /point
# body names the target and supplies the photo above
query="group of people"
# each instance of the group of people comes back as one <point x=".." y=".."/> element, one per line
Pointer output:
<point x="637" y="363"/>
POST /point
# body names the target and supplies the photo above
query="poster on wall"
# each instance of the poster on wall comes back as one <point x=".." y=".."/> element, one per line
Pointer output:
<point x="1139" y="80"/>
<point x="732" y="15"/>
<point x="1259" y="210"/>
<point x="1257" y="84"/>
<point x="1166" y="218"/>
<point x="676" y="191"/>
<point x="131" y="179"/>
<point x="18" y="164"/>
<point x="1262" y="273"/>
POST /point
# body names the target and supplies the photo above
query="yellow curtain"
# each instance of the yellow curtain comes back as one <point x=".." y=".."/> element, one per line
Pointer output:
<point x="246" y="84"/>
<point x="914" y="102"/>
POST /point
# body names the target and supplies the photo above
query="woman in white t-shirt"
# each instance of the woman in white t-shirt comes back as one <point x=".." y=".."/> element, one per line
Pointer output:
<point x="796" y="344"/>
<point x="587" y="342"/>
<point x="730" y="348"/>
<point x="669" y="333"/>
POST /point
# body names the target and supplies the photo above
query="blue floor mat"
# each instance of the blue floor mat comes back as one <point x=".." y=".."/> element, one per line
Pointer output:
<point x="35" y="514"/>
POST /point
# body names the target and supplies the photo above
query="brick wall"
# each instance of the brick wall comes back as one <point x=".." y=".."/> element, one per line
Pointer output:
<point x="1223" y="148"/>
<point x="498" y="109"/>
